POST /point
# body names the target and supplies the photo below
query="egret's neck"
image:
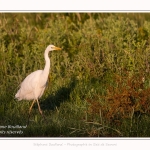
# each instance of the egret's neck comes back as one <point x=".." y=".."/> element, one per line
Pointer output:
<point x="47" y="64"/>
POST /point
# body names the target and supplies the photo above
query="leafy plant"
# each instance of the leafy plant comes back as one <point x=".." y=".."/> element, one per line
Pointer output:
<point x="99" y="82"/>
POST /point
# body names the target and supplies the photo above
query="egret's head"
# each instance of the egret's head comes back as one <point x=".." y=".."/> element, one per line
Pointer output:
<point x="52" y="48"/>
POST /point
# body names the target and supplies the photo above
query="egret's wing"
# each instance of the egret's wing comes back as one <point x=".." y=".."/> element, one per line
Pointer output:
<point x="29" y="84"/>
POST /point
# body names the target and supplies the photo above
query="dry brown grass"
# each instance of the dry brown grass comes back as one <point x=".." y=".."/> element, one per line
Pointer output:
<point x="125" y="98"/>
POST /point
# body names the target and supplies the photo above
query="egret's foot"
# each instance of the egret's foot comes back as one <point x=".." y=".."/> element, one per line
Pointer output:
<point x="41" y="112"/>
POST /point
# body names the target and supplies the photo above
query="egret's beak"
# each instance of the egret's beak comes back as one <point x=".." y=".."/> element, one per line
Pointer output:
<point x="57" y="48"/>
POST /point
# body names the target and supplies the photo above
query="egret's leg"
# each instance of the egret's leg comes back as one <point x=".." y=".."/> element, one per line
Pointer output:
<point x="40" y="110"/>
<point x="31" y="109"/>
<point x="31" y="106"/>
<point x="39" y="107"/>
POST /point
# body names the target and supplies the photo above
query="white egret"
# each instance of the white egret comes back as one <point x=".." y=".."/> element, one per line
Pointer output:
<point x="34" y="84"/>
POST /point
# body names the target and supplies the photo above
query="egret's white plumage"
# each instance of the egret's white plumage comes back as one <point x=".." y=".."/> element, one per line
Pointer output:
<point x="34" y="84"/>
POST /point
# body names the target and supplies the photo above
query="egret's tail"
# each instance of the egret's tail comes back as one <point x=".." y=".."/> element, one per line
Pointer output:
<point x="17" y="96"/>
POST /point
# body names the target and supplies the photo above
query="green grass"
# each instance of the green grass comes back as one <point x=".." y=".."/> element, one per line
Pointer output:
<point x="95" y="84"/>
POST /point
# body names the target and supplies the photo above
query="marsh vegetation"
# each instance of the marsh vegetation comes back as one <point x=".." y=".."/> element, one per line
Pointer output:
<point x="99" y="84"/>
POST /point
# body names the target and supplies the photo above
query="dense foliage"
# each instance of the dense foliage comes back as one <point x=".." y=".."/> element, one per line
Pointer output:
<point x="99" y="84"/>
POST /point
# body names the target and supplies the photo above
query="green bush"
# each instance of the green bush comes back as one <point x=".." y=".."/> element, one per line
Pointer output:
<point x="95" y="48"/>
